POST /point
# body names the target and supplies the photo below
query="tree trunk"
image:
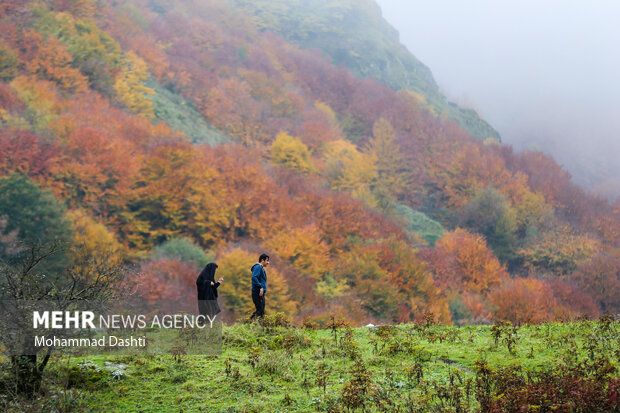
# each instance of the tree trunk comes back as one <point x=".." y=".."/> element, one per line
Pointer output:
<point x="27" y="374"/>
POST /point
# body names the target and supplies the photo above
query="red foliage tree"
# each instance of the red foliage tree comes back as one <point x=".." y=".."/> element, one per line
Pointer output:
<point x="167" y="284"/>
<point x="96" y="169"/>
<point x="523" y="300"/>
<point x="9" y="100"/>
<point x="24" y="152"/>
<point x="572" y="301"/>
<point x="317" y="129"/>
<point x="600" y="277"/>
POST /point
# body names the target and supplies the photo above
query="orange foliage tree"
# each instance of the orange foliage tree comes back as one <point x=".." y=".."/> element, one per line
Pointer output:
<point x="465" y="263"/>
<point x="230" y="107"/>
<point x="271" y="91"/>
<point x="474" y="168"/>
<point x="42" y="101"/>
<point x="303" y="249"/>
<point x="96" y="169"/>
<point x="608" y="227"/>
<point x="415" y="283"/>
<point x="162" y="198"/>
<point x="50" y="60"/>
<point x="523" y="300"/>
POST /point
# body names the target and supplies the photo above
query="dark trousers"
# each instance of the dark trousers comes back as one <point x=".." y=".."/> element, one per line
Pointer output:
<point x="259" y="303"/>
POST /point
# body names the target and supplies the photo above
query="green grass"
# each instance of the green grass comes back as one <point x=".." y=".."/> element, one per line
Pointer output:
<point x="419" y="223"/>
<point x="275" y="369"/>
<point x="181" y="115"/>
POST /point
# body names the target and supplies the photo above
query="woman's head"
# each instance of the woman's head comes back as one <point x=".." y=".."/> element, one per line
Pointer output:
<point x="208" y="271"/>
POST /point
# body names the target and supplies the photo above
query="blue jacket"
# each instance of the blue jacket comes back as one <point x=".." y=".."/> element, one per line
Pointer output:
<point x="259" y="277"/>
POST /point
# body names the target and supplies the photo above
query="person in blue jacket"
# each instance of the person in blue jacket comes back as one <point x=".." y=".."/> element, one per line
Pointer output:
<point x="259" y="285"/>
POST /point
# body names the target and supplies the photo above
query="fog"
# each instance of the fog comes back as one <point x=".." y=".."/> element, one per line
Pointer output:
<point x="545" y="74"/>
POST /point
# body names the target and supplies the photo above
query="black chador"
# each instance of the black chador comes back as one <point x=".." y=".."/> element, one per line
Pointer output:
<point x="207" y="291"/>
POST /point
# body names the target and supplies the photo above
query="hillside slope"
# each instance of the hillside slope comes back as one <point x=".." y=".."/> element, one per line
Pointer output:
<point x="185" y="126"/>
<point x="353" y="33"/>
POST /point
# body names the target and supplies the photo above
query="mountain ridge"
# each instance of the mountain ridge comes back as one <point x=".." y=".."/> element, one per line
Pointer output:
<point x="355" y="34"/>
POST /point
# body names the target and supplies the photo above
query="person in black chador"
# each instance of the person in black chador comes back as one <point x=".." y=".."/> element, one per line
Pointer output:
<point x="259" y="285"/>
<point x="207" y="291"/>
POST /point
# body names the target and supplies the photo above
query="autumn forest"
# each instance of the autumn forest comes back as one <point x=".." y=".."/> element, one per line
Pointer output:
<point x="167" y="134"/>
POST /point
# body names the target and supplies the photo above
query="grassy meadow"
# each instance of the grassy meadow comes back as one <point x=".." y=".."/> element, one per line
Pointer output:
<point x="272" y="366"/>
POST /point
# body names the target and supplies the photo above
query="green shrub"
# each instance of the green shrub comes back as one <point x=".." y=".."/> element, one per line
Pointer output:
<point x="277" y="363"/>
<point x="276" y="320"/>
<point x="182" y="249"/>
<point x="86" y="374"/>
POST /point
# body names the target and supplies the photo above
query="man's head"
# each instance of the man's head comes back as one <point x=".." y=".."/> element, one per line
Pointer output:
<point x="263" y="260"/>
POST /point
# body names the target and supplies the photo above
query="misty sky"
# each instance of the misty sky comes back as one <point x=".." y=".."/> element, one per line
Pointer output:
<point x="544" y="73"/>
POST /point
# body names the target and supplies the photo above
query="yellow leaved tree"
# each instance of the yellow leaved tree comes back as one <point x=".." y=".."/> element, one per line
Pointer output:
<point x="393" y="174"/>
<point x="291" y="153"/>
<point x="328" y="111"/>
<point x="534" y="215"/>
<point x="558" y="251"/>
<point x="346" y="168"/>
<point x="41" y="99"/>
<point x="130" y="88"/>
<point x="92" y="242"/>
